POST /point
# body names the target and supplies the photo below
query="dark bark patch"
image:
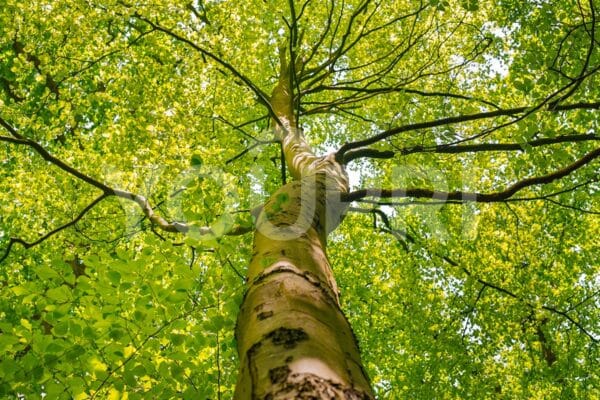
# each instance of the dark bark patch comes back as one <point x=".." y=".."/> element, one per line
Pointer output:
<point x="252" y="369"/>
<point x="252" y="350"/>
<point x="279" y="374"/>
<point x="279" y="269"/>
<point x="286" y="337"/>
<point x="354" y="394"/>
<point x="312" y="387"/>
<point x="264" y="315"/>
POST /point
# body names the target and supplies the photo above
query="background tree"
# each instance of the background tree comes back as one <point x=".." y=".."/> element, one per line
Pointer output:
<point x="139" y="138"/>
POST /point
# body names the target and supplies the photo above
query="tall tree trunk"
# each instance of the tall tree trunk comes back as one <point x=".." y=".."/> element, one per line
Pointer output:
<point x="294" y="341"/>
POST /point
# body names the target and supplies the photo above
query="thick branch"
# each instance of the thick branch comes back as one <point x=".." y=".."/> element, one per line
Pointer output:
<point x="511" y="112"/>
<point x="472" y="148"/>
<point x="474" y="196"/>
<point x="50" y="158"/>
<point x="391" y="89"/>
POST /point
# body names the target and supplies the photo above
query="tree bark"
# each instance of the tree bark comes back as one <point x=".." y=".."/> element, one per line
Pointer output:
<point x="293" y="339"/>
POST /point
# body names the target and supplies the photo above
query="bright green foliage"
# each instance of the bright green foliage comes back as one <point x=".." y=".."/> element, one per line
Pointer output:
<point x="473" y="301"/>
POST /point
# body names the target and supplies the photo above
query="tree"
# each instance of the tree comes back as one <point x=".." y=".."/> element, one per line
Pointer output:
<point x="209" y="200"/>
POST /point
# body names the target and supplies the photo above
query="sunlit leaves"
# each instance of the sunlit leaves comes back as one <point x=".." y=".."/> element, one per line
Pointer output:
<point x="112" y="309"/>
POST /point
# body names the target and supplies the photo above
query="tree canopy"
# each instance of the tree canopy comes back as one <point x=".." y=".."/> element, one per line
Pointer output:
<point x="137" y="140"/>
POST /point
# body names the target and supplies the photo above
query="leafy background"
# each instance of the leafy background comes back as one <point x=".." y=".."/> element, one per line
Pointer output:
<point x="473" y="301"/>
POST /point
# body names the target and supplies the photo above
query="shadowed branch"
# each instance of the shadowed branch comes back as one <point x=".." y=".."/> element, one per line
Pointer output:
<point x="466" y="148"/>
<point x="499" y="196"/>
<point x="107" y="191"/>
<point x="510" y="112"/>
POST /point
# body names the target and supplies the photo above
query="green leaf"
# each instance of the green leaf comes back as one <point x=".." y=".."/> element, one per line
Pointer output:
<point x="60" y="294"/>
<point x="196" y="160"/>
<point x="61" y="328"/>
<point x="45" y="272"/>
<point x="177" y="340"/>
<point x="114" y="277"/>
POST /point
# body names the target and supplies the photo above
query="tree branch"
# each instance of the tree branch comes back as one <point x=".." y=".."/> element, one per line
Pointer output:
<point x="511" y="112"/>
<point x="582" y="75"/>
<point x="514" y="296"/>
<point x="400" y="235"/>
<point x="262" y="96"/>
<point x="392" y="89"/>
<point x="107" y="191"/>
<point x="473" y="196"/>
<point x="27" y="245"/>
<point x="139" y="347"/>
<point x="50" y="158"/>
<point x="472" y="148"/>
<point x="532" y="306"/>
<point x="546" y="197"/>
